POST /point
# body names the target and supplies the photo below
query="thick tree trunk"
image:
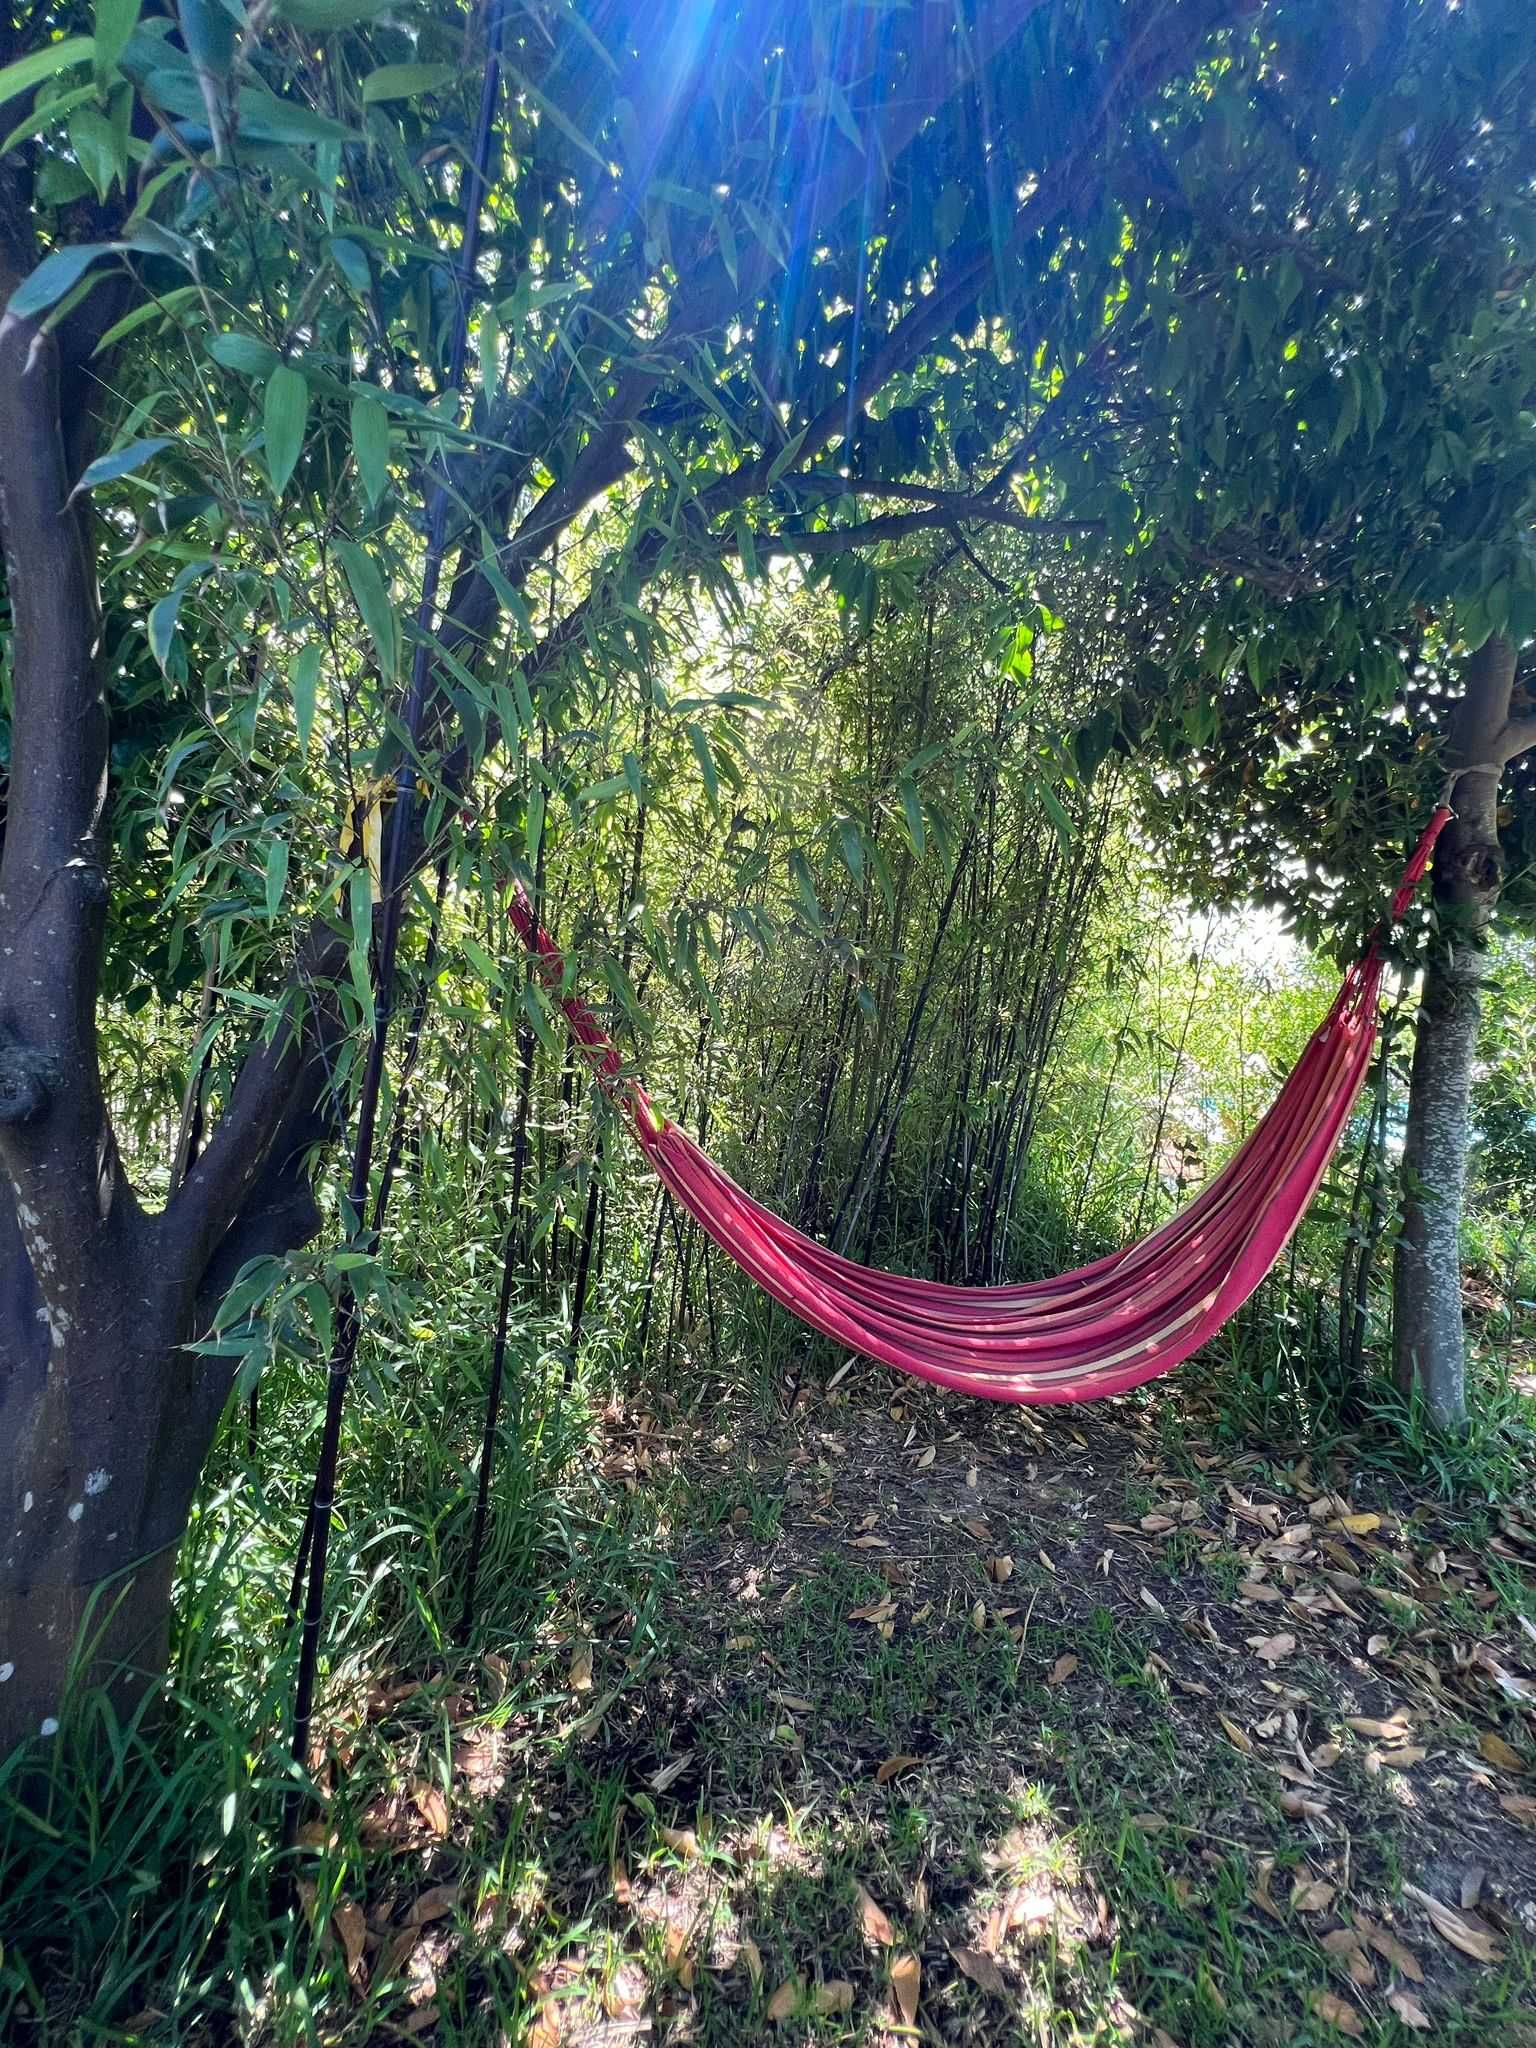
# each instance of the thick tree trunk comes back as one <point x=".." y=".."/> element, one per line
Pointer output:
<point x="1429" y="1337"/>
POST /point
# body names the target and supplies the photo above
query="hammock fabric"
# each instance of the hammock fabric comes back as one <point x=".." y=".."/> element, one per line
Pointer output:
<point x="1097" y="1331"/>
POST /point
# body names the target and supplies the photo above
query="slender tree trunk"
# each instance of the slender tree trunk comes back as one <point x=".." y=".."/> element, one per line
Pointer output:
<point x="1428" y="1335"/>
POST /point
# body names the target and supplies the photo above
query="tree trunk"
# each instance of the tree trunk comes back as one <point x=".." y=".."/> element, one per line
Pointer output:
<point x="1429" y="1337"/>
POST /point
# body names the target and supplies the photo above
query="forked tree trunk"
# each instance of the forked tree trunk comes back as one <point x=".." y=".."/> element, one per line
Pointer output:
<point x="1428" y="1332"/>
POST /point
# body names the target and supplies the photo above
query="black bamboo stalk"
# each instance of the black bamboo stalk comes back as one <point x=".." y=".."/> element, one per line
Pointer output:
<point x="583" y="1268"/>
<point x="513" y="1255"/>
<point x="643" y="1335"/>
<point x="511" y="1260"/>
<point x="413" y="1038"/>
<point x="393" y="880"/>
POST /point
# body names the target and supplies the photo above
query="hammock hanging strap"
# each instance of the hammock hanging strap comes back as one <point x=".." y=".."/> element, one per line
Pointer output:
<point x="1107" y="1326"/>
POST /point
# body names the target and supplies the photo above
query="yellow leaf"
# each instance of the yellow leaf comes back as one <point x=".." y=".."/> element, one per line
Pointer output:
<point x="675" y="1947"/>
<point x="752" y="1956"/>
<point x="874" y="1920"/>
<point x="1356" y="1525"/>
<point x="1337" y="2012"/>
<point x="1235" y="1735"/>
<point x="432" y="1806"/>
<point x="1495" y="1750"/>
<point x="580" y="1675"/>
<point x="1398" y="1729"/>
<point x="785" y="2000"/>
<point x="368" y="814"/>
<point x="907" y="1983"/>
<point x="682" y="1842"/>
<point x="836" y="1995"/>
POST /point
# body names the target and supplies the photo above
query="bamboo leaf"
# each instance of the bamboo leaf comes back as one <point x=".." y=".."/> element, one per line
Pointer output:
<point x="107" y="469"/>
<point x="366" y="581"/>
<point x="53" y="277"/>
<point x="284" y="411"/>
<point x="276" y="873"/>
<point x="162" y="308"/>
<point x="28" y="72"/>
<point x="370" y="446"/>
<point x="406" y="81"/>
<point x="303" y="682"/>
<point x="115" y="21"/>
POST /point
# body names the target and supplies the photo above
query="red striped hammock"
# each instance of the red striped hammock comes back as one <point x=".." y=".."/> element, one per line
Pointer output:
<point x="1099" y="1330"/>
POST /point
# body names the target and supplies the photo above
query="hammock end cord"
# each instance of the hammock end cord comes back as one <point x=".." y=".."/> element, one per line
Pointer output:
<point x="607" y="1063"/>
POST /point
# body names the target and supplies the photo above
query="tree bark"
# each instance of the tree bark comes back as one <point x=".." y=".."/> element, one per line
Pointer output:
<point x="1429" y="1337"/>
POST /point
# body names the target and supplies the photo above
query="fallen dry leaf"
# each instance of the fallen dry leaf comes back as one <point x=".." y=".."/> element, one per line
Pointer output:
<point x="545" y="2031"/>
<point x="1000" y="1570"/>
<point x="1519" y="1806"/>
<point x="836" y="1995"/>
<point x="1408" y="2009"/>
<point x="976" y="1964"/>
<point x="1337" y="2012"/>
<point x="677" y="1956"/>
<point x="1062" y="1669"/>
<point x="874" y="1920"/>
<point x="752" y="1956"/>
<point x="1235" y="1735"/>
<point x="785" y="2001"/>
<point x="432" y="1806"/>
<point x="1495" y="1750"/>
<point x="1272" y="1648"/>
<point x="433" y="1904"/>
<point x="1312" y="1895"/>
<point x="682" y="1842"/>
<point x="880" y="1610"/>
<point x="894" y="1766"/>
<point x="1397" y="1729"/>
<point x="1346" y="1944"/>
<point x="1390" y="1949"/>
<point x="579" y="1677"/>
<point x="907" y="1982"/>
<point x="352" y="1933"/>
<point x="1468" y="1935"/>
